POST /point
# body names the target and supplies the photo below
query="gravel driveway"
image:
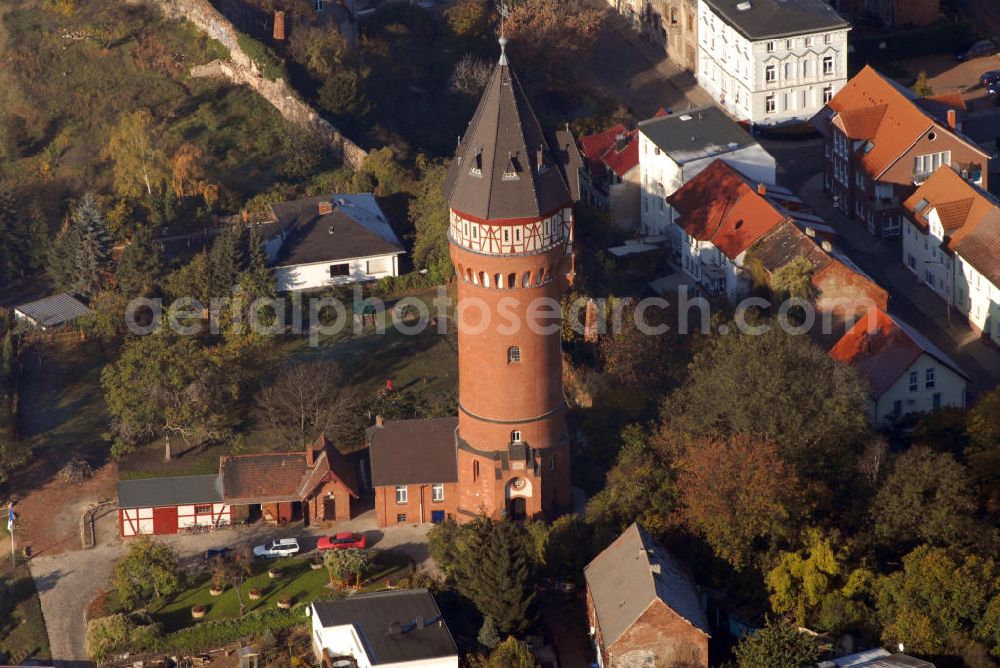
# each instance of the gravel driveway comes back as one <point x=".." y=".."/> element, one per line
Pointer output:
<point x="68" y="582"/>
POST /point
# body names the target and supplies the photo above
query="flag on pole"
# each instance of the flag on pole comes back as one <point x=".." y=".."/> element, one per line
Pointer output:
<point x="10" y="518"/>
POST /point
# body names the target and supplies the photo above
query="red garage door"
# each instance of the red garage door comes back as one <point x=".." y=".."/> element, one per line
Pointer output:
<point x="164" y="520"/>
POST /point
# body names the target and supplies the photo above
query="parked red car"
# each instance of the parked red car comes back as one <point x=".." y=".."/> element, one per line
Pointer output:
<point x="342" y="541"/>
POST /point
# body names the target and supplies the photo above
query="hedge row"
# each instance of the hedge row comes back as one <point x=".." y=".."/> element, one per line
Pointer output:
<point x="209" y="635"/>
<point x="119" y="633"/>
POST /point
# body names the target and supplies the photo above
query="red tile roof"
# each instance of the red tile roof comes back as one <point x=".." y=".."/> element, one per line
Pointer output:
<point x="960" y="205"/>
<point x="884" y="349"/>
<point x="283" y="476"/>
<point x="616" y="147"/>
<point x="872" y="108"/>
<point x="719" y="205"/>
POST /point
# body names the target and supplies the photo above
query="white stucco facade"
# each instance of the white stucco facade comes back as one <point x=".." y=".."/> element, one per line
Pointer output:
<point x="662" y="176"/>
<point x="928" y="384"/>
<point x="955" y="280"/>
<point x="773" y="80"/>
<point x="338" y="272"/>
<point x="712" y="270"/>
<point x="344" y="641"/>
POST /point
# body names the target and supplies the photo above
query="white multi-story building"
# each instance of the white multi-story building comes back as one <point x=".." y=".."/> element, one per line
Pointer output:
<point x="906" y="373"/>
<point x="951" y="241"/>
<point x="674" y="149"/>
<point x="771" y="61"/>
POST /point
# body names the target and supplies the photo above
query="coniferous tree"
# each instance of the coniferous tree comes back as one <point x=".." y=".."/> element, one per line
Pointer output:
<point x="14" y="239"/>
<point x="489" y="635"/>
<point x="141" y="267"/>
<point x="257" y="279"/>
<point x="497" y="573"/>
<point x="777" y="645"/>
<point x="226" y="259"/>
<point x="62" y="257"/>
<point x="93" y="254"/>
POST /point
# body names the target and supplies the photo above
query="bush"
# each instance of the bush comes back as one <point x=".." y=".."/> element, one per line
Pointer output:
<point x="271" y="68"/>
<point x="207" y="635"/>
<point x="116" y="633"/>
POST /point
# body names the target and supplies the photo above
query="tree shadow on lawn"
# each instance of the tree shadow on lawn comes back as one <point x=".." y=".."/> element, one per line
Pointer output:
<point x="62" y="413"/>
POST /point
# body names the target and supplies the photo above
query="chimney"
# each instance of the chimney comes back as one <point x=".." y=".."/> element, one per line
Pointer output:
<point x="279" y="25"/>
<point x="325" y="208"/>
<point x="952" y="119"/>
<point x="761" y="189"/>
<point x="310" y="456"/>
<point x="827" y="246"/>
<point x="395" y="629"/>
<point x="810" y="232"/>
<point x="379" y="422"/>
<point x="420" y="622"/>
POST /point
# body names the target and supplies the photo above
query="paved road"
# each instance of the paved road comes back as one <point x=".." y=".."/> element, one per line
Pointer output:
<point x="624" y="66"/>
<point x="67" y="582"/>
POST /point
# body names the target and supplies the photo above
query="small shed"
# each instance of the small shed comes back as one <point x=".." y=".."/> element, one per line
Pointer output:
<point x="51" y="312"/>
<point x="157" y="506"/>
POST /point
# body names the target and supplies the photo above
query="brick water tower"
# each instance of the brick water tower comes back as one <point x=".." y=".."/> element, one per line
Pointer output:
<point x="510" y="234"/>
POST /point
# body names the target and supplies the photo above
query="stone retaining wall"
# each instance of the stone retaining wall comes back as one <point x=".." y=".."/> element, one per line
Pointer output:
<point x="241" y="70"/>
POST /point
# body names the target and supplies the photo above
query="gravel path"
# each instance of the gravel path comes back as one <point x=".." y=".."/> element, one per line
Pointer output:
<point x="68" y="582"/>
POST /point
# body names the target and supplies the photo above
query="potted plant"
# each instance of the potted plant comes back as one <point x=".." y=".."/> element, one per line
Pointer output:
<point x="316" y="563"/>
<point x="274" y="572"/>
<point x="255" y="594"/>
<point x="198" y="611"/>
<point x="284" y="603"/>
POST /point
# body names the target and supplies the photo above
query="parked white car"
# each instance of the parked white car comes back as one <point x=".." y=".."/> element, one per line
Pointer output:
<point x="279" y="547"/>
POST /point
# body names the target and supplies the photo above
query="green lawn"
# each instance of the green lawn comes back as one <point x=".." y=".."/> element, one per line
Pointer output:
<point x="298" y="582"/>
<point x="22" y="628"/>
<point x="425" y="364"/>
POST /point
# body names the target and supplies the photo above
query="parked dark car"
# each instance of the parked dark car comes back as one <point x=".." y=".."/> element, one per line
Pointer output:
<point x="991" y="77"/>
<point x="217" y="553"/>
<point x="980" y="49"/>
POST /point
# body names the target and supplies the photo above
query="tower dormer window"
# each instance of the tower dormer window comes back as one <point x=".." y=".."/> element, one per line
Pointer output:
<point x="513" y="355"/>
<point x="510" y="172"/>
<point x="515" y="436"/>
<point x="477" y="164"/>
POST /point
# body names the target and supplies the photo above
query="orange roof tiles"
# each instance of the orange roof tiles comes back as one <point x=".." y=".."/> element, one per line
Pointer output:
<point x="720" y="206"/>
<point x="960" y="205"/>
<point x="882" y="349"/>
<point x="617" y="147"/>
<point x="951" y="99"/>
<point x="872" y="108"/>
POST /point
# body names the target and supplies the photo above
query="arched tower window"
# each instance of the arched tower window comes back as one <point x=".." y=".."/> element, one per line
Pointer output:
<point x="511" y="281"/>
<point x="468" y="275"/>
<point x="475" y="471"/>
<point x="526" y="279"/>
<point x="513" y="355"/>
<point x="541" y="276"/>
<point x="515" y="436"/>
<point x="498" y="280"/>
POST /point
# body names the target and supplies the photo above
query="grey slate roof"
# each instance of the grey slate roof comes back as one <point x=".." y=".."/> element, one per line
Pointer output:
<point x="178" y="491"/>
<point x="695" y="134"/>
<point x="413" y="452"/>
<point x="778" y="18"/>
<point x="422" y="634"/>
<point x="496" y="172"/>
<point x="360" y="229"/>
<point x="53" y="311"/>
<point x="632" y="573"/>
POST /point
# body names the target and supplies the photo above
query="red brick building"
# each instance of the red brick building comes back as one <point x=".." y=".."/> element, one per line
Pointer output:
<point x="642" y="607"/>
<point x="510" y="232"/>
<point x="881" y="142"/>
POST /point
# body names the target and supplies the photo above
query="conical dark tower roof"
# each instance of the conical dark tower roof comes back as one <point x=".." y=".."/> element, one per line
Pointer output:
<point x="503" y="167"/>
